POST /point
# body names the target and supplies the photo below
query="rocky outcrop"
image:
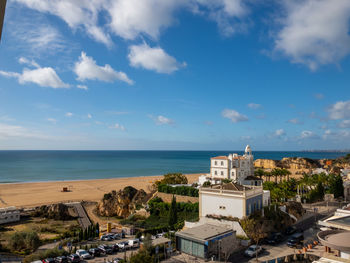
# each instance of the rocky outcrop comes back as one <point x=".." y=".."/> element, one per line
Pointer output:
<point x="295" y="209"/>
<point x="266" y="164"/>
<point x="292" y="163"/>
<point x="122" y="203"/>
<point x="56" y="211"/>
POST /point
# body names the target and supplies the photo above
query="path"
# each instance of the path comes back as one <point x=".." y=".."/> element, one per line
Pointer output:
<point x="83" y="218"/>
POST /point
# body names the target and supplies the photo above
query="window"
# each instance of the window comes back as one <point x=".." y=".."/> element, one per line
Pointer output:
<point x="222" y="173"/>
<point x="222" y="207"/>
<point x="222" y="163"/>
<point x="216" y="163"/>
<point x="216" y="172"/>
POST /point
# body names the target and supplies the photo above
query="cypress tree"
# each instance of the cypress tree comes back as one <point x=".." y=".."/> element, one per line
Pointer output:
<point x="172" y="213"/>
<point x="98" y="229"/>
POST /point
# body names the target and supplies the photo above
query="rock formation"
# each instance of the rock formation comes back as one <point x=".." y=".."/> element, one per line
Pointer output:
<point x="121" y="203"/>
<point x="56" y="211"/>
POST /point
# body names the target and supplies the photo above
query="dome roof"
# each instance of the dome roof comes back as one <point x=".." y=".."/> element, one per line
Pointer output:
<point x="248" y="149"/>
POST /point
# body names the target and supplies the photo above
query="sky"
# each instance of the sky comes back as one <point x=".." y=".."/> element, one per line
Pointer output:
<point x="175" y="75"/>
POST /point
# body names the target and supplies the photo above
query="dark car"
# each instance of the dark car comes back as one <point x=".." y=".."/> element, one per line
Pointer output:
<point x="290" y="230"/>
<point x="106" y="249"/>
<point x="49" y="260"/>
<point x="74" y="258"/>
<point x="295" y="240"/>
<point x="275" y="238"/>
<point x="95" y="252"/>
<point x="62" y="259"/>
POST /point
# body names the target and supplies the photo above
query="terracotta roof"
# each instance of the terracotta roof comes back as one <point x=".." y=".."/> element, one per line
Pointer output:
<point x="220" y="157"/>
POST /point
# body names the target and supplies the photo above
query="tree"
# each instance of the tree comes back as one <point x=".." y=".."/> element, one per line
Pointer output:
<point x="275" y="172"/>
<point x="259" y="173"/>
<point x="174" y="178"/>
<point x="336" y="186"/>
<point x="24" y="241"/>
<point x="286" y="173"/>
<point x="141" y="257"/>
<point x="97" y="232"/>
<point x="320" y="190"/>
<point x="172" y="213"/>
<point x="206" y="184"/>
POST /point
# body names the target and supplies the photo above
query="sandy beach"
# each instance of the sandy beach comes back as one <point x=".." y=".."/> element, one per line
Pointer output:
<point x="35" y="194"/>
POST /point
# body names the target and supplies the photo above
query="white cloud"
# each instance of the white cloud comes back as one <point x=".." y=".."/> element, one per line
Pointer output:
<point x="130" y="19"/>
<point x="233" y="115"/>
<point x="86" y="68"/>
<point x="7" y="131"/>
<point x="308" y="135"/>
<point x="52" y="120"/>
<point x="69" y="114"/>
<point x="339" y="110"/>
<point x="162" y="120"/>
<point x="344" y="124"/>
<point x="315" y="32"/>
<point x="118" y="126"/>
<point x="77" y="14"/>
<point x="279" y="133"/>
<point x="154" y="58"/>
<point x="26" y="61"/>
<point x="254" y="106"/>
<point x="336" y="135"/>
<point x="83" y="87"/>
<point x="44" y="77"/>
<point x="295" y="121"/>
<point x="89" y="116"/>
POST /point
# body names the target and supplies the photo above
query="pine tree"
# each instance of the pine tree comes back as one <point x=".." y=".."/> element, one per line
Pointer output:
<point x="172" y="213"/>
<point x="85" y="234"/>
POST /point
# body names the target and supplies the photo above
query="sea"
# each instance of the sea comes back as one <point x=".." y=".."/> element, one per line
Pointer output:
<point x="37" y="166"/>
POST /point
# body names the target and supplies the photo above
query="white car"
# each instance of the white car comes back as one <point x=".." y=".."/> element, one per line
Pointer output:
<point x="123" y="245"/>
<point x="253" y="250"/>
<point x="134" y="243"/>
<point x="83" y="254"/>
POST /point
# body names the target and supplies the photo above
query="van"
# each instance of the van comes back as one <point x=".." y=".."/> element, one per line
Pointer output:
<point x="295" y="240"/>
<point x="133" y="243"/>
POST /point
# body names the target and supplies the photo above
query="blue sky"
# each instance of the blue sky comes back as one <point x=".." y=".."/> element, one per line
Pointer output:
<point x="176" y="74"/>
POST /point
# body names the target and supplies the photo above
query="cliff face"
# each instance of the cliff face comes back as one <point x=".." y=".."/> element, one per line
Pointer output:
<point x="298" y="165"/>
<point x="121" y="203"/>
<point x="56" y="211"/>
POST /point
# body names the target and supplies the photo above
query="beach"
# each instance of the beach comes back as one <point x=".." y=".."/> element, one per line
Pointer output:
<point x="41" y="193"/>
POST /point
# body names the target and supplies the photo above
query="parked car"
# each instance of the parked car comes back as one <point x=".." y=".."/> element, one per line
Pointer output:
<point x="74" y="258"/>
<point x="83" y="254"/>
<point x="95" y="252"/>
<point x="295" y="240"/>
<point x="159" y="235"/>
<point x="62" y="259"/>
<point x="134" y="243"/>
<point x="106" y="249"/>
<point x="49" y="260"/>
<point x="106" y="238"/>
<point x="123" y="245"/>
<point x="290" y="230"/>
<point x="275" y="238"/>
<point x="117" y="236"/>
<point x="253" y="250"/>
<point x="114" y="260"/>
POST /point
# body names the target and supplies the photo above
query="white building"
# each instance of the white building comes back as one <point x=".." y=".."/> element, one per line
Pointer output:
<point x="9" y="214"/>
<point x="230" y="200"/>
<point x="238" y="168"/>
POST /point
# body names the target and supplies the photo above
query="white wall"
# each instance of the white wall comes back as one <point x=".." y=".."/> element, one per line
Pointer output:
<point x="230" y="206"/>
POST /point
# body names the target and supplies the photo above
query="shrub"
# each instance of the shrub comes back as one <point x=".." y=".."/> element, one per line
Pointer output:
<point x="24" y="241"/>
<point x="178" y="190"/>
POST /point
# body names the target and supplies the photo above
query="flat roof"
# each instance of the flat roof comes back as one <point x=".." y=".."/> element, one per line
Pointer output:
<point x="204" y="232"/>
<point x="345" y="220"/>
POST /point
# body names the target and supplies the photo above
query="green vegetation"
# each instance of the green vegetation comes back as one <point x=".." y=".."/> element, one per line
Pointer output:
<point x="172" y="217"/>
<point x="159" y="216"/>
<point x="173" y="178"/>
<point x="178" y="190"/>
<point x="26" y="241"/>
<point x="206" y="184"/>
<point x="312" y="187"/>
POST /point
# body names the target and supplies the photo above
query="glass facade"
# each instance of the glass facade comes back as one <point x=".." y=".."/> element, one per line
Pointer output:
<point x="192" y="248"/>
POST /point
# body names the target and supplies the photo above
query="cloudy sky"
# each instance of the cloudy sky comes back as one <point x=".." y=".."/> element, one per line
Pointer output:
<point x="175" y="74"/>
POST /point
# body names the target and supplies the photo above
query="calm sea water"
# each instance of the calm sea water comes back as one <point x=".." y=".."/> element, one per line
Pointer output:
<point x="29" y="166"/>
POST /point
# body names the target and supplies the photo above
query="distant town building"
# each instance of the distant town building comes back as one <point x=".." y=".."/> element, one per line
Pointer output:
<point x="207" y="241"/>
<point x="9" y="214"/>
<point x="238" y="168"/>
<point x="231" y="200"/>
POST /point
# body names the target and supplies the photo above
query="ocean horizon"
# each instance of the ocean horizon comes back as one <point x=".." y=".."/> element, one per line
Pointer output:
<point x="18" y="166"/>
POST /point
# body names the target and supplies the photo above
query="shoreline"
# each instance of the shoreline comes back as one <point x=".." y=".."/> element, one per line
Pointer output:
<point x="32" y="194"/>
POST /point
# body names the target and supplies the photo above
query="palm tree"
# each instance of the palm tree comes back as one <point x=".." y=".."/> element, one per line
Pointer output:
<point x="259" y="173"/>
<point x="288" y="173"/>
<point x="275" y="172"/>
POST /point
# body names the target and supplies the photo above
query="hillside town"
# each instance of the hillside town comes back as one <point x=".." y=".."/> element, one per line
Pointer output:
<point x="241" y="211"/>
